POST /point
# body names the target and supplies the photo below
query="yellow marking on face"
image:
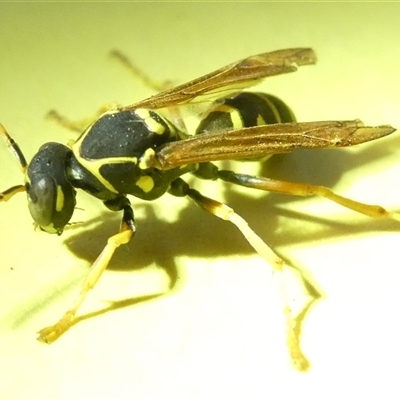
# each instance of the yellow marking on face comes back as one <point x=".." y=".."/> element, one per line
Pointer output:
<point x="151" y="123"/>
<point x="145" y="183"/>
<point x="49" y="228"/>
<point x="60" y="199"/>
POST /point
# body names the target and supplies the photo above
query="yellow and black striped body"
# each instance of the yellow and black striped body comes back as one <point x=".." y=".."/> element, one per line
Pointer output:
<point x="110" y="156"/>
<point x="113" y="157"/>
<point x="245" y="110"/>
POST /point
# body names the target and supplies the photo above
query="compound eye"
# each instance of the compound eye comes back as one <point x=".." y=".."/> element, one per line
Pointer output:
<point x="42" y="199"/>
<point x="51" y="196"/>
<point x="48" y="206"/>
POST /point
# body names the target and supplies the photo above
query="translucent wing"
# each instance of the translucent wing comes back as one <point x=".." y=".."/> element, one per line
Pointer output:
<point x="259" y="141"/>
<point x="230" y="79"/>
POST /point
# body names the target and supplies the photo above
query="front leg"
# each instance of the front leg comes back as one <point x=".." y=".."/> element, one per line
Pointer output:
<point x="127" y="230"/>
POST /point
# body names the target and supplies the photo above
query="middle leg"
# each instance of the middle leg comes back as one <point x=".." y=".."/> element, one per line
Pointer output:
<point x="180" y="188"/>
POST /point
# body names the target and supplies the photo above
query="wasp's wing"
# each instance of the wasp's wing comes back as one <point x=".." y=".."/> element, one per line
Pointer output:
<point x="230" y="79"/>
<point x="262" y="140"/>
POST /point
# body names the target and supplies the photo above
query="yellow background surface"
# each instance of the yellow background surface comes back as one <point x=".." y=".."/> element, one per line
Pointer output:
<point x="218" y="334"/>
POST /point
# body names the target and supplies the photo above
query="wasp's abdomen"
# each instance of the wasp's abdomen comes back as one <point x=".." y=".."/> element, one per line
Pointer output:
<point x="245" y="110"/>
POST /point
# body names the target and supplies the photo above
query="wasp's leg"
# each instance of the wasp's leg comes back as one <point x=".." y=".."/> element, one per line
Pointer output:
<point x="304" y="189"/>
<point x="211" y="171"/>
<point x="80" y="125"/>
<point x="180" y="188"/>
<point x="173" y="113"/>
<point x="19" y="156"/>
<point x="127" y="230"/>
<point x="7" y="194"/>
<point x="14" y="148"/>
<point x="158" y="86"/>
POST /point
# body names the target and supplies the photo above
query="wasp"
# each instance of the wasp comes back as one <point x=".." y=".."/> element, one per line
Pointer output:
<point x="138" y="151"/>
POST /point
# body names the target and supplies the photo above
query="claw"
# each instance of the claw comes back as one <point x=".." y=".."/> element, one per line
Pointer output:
<point x="52" y="333"/>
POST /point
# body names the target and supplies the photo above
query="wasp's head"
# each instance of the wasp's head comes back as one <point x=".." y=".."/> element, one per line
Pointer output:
<point x="51" y="197"/>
